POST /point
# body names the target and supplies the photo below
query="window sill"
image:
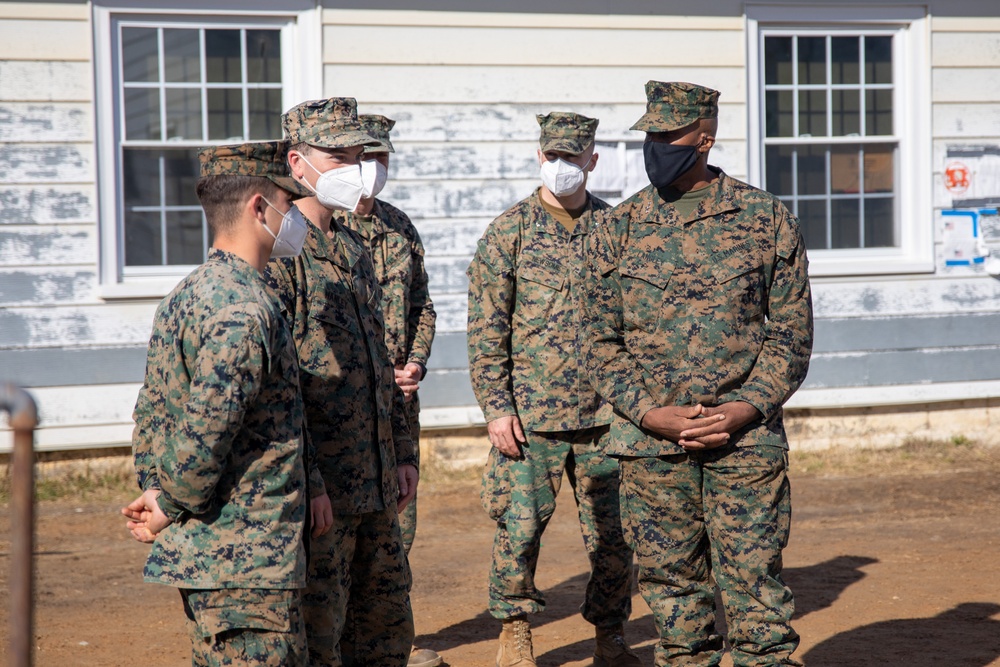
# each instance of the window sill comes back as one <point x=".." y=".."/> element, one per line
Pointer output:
<point x="825" y="263"/>
<point x="153" y="288"/>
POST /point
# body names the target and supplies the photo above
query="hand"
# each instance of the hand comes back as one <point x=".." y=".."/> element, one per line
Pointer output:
<point x="737" y="414"/>
<point x="146" y="519"/>
<point x="322" y="515"/>
<point x="408" y="479"/>
<point x="408" y="379"/>
<point x="505" y="434"/>
<point x="687" y="424"/>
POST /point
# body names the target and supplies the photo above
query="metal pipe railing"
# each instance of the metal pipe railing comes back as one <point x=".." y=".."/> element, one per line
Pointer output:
<point x="23" y="420"/>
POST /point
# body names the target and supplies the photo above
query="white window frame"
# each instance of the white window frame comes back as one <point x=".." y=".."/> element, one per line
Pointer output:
<point x="302" y="78"/>
<point x="910" y="26"/>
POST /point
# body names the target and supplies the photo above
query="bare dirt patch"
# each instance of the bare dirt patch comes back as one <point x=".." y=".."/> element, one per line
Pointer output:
<point x="894" y="559"/>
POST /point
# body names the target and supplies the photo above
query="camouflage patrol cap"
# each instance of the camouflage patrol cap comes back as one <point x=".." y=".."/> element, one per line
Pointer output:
<point x="378" y="127"/>
<point x="265" y="159"/>
<point x="673" y="105"/>
<point x="331" y="123"/>
<point x="567" y="132"/>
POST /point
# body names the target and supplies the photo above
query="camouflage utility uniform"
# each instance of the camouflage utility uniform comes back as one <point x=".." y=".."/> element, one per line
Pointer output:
<point x="704" y="308"/>
<point x="219" y="431"/>
<point x="407" y="311"/>
<point x="355" y="420"/>
<point x="525" y="360"/>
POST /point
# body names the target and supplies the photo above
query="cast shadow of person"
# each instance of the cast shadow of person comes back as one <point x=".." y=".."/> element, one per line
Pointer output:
<point x="818" y="586"/>
<point x="966" y="635"/>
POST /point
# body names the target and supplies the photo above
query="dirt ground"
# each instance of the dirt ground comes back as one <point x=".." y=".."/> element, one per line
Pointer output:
<point x="896" y="568"/>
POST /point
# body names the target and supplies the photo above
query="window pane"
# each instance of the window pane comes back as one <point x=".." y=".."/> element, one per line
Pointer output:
<point x="812" y="60"/>
<point x="180" y="176"/>
<point x="141" y="177"/>
<point x="845" y="226"/>
<point x="878" y="112"/>
<point x="812" y="170"/>
<point x="140" y="60"/>
<point x="142" y="114"/>
<point x="846" y="113"/>
<point x="778" y="167"/>
<point x="779" y="113"/>
<point x="812" y="219"/>
<point x="265" y="114"/>
<point x="878" y="59"/>
<point x="845" y="169"/>
<point x="143" y="240"/>
<point x="185" y="238"/>
<point x="181" y="56"/>
<point x="225" y="115"/>
<point x="880" y="168"/>
<point x="845" y="54"/>
<point x="880" y="223"/>
<point x="812" y="113"/>
<point x="222" y="56"/>
<point x="778" y="60"/>
<point x="263" y="56"/>
<point x="184" y="114"/>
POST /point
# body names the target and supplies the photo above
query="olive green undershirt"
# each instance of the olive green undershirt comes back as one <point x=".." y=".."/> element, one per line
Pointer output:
<point x="686" y="202"/>
<point x="565" y="217"/>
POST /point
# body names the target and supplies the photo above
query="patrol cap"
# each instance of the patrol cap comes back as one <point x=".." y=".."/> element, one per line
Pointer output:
<point x="673" y="105"/>
<point x="330" y="123"/>
<point x="265" y="159"/>
<point x="567" y="132"/>
<point x="378" y="127"/>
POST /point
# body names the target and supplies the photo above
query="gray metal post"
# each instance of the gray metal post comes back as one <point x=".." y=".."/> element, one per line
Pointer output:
<point x="23" y="420"/>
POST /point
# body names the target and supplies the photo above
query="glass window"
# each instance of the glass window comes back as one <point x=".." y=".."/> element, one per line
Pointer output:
<point x="182" y="88"/>
<point x="828" y="126"/>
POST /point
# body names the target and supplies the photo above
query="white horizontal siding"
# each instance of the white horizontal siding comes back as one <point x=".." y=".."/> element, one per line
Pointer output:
<point x="47" y="204"/>
<point x="24" y="245"/>
<point x="966" y="48"/>
<point x="967" y="121"/>
<point x="76" y="326"/>
<point x="46" y="163"/>
<point x="50" y="39"/>
<point x="45" y="81"/>
<point x="46" y="123"/>
<point x="967" y="84"/>
<point x="45" y="10"/>
<point x="895" y="297"/>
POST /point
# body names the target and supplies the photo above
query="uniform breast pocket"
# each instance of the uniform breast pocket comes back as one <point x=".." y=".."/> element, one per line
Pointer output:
<point x="740" y="278"/>
<point x="550" y="275"/>
<point x="644" y="283"/>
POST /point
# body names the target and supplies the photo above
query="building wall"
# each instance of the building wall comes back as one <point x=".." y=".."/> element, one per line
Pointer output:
<point x="464" y="88"/>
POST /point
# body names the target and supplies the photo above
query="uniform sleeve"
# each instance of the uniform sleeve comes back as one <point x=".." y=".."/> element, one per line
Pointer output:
<point x="421" y="320"/>
<point x="788" y="332"/>
<point x="612" y="369"/>
<point x="226" y="377"/>
<point x="143" y="456"/>
<point x="406" y="453"/>
<point x="491" y="303"/>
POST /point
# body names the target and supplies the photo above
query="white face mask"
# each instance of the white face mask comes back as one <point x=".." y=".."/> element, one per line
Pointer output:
<point x="291" y="235"/>
<point x="339" y="188"/>
<point x="373" y="175"/>
<point x="561" y="177"/>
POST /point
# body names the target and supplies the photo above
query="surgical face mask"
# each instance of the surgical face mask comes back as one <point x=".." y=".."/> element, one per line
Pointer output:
<point x="665" y="163"/>
<point x="291" y="235"/>
<point x="561" y="177"/>
<point x="340" y="188"/>
<point x="373" y="176"/>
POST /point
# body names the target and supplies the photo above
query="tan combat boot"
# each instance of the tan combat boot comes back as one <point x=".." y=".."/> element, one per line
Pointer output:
<point x="611" y="649"/>
<point x="515" y="644"/>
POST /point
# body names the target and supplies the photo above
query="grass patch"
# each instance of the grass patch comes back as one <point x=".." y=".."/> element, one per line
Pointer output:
<point x="87" y="488"/>
<point x="913" y="456"/>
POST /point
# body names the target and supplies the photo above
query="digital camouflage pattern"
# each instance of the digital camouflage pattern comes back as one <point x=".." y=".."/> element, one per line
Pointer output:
<point x="524" y="331"/>
<point x="520" y="495"/>
<point x="408" y="313"/>
<point x="219" y="430"/>
<point x="330" y="123"/>
<point x="378" y="127"/>
<point x="566" y="132"/>
<point x="708" y="308"/>
<point x="241" y="627"/>
<point x="673" y="105"/>
<point x="716" y="517"/>
<point x="264" y="159"/>
<point x="361" y="615"/>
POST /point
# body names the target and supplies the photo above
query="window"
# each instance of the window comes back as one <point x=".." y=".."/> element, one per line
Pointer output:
<point x="169" y="84"/>
<point x="842" y="136"/>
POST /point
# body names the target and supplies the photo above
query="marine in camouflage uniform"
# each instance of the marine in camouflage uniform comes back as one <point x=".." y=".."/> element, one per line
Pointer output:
<point x="527" y="371"/>
<point x="357" y="601"/>
<point x="397" y="255"/>
<point x="699" y="329"/>
<point x="219" y="432"/>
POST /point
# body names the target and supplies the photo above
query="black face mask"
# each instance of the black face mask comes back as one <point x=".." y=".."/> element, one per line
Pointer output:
<point x="665" y="163"/>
